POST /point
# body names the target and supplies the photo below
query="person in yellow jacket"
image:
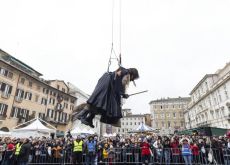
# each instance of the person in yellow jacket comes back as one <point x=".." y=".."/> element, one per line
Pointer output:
<point x="77" y="150"/>
<point x="17" y="150"/>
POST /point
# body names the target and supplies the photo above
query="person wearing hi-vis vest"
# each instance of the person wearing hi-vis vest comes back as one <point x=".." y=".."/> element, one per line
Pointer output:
<point x="17" y="151"/>
<point x="91" y="145"/>
<point x="77" y="151"/>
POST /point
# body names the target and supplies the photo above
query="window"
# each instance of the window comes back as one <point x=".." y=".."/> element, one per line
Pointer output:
<point x="22" y="81"/>
<point x="30" y="84"/>
<point x="174" y="114"/>
<point x="135" y="123"/>
<point x="58" y="86"/>
<point x="3" y="109"/>
<point x="4" y="72"/>
<point x="44" y="101"/>
<point x="5" y="88"/>
<point x="182" y="123"/>
<point x="20" y="93"/>
<point x="49" y="113"/>
<point x="131" y="123"/>
<point x="15" y="112"/>
<point x="41" y="115"/>
<point x="169" y="124"/>
<point x="66" y="105"/>
<point x="63" y="90"/>
<point x="162" y="124"/>
<point x="28" y="96"/>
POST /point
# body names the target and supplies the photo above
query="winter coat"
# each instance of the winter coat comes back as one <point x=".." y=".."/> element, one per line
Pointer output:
<point x="145" y="149"/>
<point x="106" y="97"/>
<point x="25" y="152"/>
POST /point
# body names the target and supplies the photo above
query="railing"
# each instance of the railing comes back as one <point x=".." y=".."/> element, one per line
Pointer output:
<point x="5" y="95"/>
<point x="130" y="156"/>
<point x="18" y="99"/>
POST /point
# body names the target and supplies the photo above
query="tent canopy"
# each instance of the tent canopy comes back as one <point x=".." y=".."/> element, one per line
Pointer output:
<point x="82" y="131"/>
<point x="142" y="128"/>
<point x="3" y="134"/>
<point x="36" y="125"/>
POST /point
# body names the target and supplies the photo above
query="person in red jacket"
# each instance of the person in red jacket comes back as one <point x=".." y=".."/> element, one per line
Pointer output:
<point x="145" y="151"/>
<point x="195" y="152"/>
<point x="175" y="149"/>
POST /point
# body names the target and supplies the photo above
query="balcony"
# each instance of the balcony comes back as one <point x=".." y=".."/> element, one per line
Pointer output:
<point x="18" y="99"/>
<point x="5" y="95"/>
<point x="59" y="107"/>
<point x="3" y="117"/>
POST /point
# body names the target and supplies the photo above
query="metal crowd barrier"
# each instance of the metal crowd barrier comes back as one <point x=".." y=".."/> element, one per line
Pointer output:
<point x="133" y="156"/>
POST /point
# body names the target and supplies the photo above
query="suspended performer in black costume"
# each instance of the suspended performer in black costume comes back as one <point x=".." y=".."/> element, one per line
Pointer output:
<point x="106" y="97"/>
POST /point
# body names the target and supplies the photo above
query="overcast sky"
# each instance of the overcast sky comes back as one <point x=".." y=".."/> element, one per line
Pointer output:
<point x="173" y="43"/>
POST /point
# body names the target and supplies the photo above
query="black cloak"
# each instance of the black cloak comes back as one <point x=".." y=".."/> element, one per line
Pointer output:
<point x="106" y="97"/>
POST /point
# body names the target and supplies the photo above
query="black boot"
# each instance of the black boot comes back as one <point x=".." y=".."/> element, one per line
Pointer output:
<point x="88" y="120"/>
<point x="82" y="114"/>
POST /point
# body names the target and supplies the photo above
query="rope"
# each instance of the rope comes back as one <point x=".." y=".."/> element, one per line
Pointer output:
<point x="120" y="33"/>
<point x="112" y="52"/>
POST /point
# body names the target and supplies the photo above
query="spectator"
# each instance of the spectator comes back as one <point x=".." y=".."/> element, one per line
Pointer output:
<point x="77" y="150"/>
<point x="195" y="153"/>
<point x="91" y="151"/>
<point x="9" y="153"/>
<point x="186" y="152"/>
<point x="145" y="151"/>
<point x="174" y="145"/>
<point x="166" y="151"/>
<point x="24" y="152"/>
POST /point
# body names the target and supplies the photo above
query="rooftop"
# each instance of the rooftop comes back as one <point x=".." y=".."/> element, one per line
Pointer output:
<point x="187" y="99"/>
<point x="17" y="63"/>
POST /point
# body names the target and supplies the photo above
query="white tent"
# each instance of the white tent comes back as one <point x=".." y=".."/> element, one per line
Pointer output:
<point x="109" y="135"/>
<point x="77" y="131"/>
<point x="5" y="134"/>
<point x="142" y="128"/>
<point x="34" y="129"/>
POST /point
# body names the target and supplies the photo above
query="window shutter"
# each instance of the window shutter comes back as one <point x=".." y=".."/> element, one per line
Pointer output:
<point x="18" y="114"/>
<point x="48" y="112"/>
<point x="3" y="86"/>
<point x="6" y="73"/>
<point x="12" y="112"/>
<point x="22" y="94"/>
<point x="5" y="110"/>
<point x="30" y="96"/>
<point x="10" y="90"/>
<point x="52" y="113"/>
<point x="26" y="95"/>
<point x="17" y="91"/>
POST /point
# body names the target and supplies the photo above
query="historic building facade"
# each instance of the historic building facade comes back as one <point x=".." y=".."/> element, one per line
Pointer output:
<point x="168" y="114"/>
<point x="131" y="121"/>
<point x="24" y="95"/>
<point x="210" y="101"/>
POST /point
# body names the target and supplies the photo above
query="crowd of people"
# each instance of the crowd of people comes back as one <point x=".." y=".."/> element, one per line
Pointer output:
<point x="132" y="149"/>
